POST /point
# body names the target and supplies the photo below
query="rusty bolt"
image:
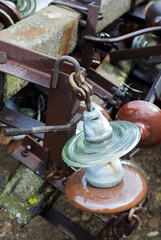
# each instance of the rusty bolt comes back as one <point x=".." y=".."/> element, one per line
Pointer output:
<point x="25" y="152"/>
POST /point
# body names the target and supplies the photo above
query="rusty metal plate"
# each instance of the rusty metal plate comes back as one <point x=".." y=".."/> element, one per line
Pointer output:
<point x="30" y="65"/>
<point x="34" y="160"/>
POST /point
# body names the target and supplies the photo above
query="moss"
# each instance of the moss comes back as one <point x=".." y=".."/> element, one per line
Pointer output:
<point x="23" y="200"/>
<point x="13" y="85"/>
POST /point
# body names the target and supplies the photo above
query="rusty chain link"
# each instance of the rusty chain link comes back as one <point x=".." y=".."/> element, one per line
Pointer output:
<point x="83" y="90"/>
<point x="132" y="215"/>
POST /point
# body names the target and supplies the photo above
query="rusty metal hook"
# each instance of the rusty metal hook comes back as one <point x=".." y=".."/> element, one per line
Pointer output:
<point x="54" y="79"/>
<point x="80" y="87"/>
<point x="84" y="90"/>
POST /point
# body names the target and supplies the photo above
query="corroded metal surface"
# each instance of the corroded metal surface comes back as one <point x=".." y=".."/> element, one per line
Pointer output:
<point x="28" y="65"/>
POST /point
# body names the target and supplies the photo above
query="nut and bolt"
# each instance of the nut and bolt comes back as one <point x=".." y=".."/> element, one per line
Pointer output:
<point x="25" y="152"/>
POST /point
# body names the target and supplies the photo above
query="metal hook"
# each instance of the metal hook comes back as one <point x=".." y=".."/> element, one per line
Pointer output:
<point x="54" y="79"/>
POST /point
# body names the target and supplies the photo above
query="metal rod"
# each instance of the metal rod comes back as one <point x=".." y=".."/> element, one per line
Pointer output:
<point x="43" y="129"/>
<point x="124" y="37"/>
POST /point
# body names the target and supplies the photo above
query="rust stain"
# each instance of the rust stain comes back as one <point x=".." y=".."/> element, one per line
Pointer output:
<point x="112" y="167"/>
<point x="66" y="38"/>
<point x="31" y="33"/>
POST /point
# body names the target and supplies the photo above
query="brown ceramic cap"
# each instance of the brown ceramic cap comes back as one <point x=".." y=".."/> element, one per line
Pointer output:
<point x="127" y="194"/>
<point x="147" y="117"/>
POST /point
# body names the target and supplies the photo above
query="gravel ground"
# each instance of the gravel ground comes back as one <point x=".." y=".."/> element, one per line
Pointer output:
<point x="40" y="229"/>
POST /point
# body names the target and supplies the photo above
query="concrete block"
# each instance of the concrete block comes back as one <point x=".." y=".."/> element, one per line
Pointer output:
<point x="52" y="31"/>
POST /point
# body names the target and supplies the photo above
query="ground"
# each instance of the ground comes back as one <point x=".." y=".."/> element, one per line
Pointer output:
<point x="40" y="229"/>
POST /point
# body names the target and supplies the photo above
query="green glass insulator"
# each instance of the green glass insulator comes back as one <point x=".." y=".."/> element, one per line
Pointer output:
<point x="78" y="152"/>
<point x="24" y="7"/>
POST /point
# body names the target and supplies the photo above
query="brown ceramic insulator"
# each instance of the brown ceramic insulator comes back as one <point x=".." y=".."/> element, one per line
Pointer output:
<point x="103" y="111"/>
<point x="147" y="117"/>
<point x="127" y="194"/>
<point x="153" y="14"/>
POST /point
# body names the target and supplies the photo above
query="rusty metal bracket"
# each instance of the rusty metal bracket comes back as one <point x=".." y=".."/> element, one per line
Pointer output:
<point x="31" y="66"/>
<point x="34" y="160"/>
<point x="90" y="30"/>
<point x="19" y="120"/>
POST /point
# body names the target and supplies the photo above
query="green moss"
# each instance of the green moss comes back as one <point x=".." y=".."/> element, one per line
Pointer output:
<point x="23" y="200"/>
<point x="13" y="85"/>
